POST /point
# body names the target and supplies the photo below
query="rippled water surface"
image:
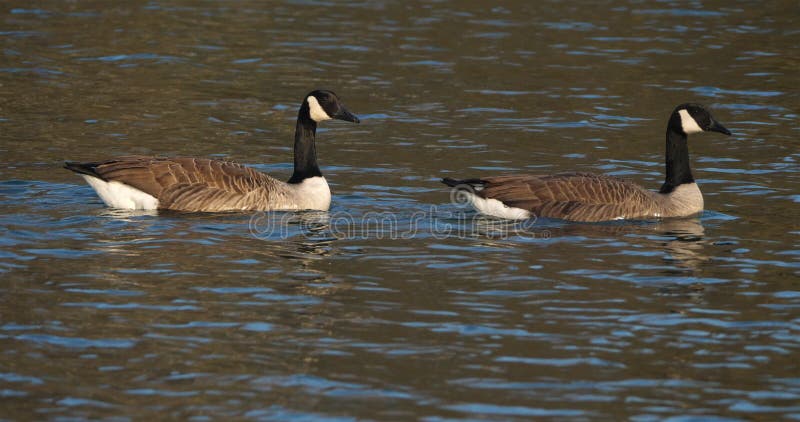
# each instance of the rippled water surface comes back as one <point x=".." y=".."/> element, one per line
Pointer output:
<point x="398" y="304"/>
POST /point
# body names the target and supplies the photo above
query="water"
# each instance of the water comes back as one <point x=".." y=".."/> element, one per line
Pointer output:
<point x="398" y="304"/>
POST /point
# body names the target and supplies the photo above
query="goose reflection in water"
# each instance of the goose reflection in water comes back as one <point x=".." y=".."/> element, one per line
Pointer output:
<point x="684" y="242"/>
<point x="681" y="238"/>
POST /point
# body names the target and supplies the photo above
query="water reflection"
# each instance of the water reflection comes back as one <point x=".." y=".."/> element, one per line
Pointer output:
<point x="681" y="238"/>
<point x="686" y="244"/>
<point x="108" y="315"/>
<point x="128" y="216"/>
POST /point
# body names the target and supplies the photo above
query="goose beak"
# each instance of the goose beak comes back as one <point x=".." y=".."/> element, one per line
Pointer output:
<point x="715" y="126"/>
<point x="345" y="115"/>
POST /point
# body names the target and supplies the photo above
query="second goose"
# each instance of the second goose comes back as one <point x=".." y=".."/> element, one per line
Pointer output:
<point x="201" y="184"/>
<point x="592" y="198"/>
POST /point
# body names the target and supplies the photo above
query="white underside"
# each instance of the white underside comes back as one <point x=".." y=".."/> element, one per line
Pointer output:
<point x="685" y="200"/>
<point x="311" y="194"/>
<point x="120" y="195"/>
<point x="496" y="208"/>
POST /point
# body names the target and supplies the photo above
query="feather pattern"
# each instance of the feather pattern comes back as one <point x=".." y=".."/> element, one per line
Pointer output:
<point x="200" y="184"/>
<point x="583" y="196"/>
<point x="573" y="196"/>
<point x="590" y="197"/>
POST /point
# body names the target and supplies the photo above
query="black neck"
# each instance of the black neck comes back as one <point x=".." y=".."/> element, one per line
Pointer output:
<point x="305" y="150"/>
<point x="678" y="171"/>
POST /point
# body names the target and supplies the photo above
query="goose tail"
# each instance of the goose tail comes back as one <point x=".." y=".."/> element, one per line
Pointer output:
<point x="87" y="169"/>
<point x="471" y="184"/>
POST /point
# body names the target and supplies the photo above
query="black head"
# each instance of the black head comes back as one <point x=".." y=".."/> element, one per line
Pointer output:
<point x="325" y="105"/>
<point x="693" y="118"/>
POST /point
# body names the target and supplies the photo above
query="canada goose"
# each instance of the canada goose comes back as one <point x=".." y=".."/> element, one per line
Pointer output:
<point x="589" y="197"/>
<point x="201" y="184"/>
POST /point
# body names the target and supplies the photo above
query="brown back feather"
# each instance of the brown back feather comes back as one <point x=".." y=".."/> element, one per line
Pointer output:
<point x="572" y="196"/>
<point x="191" y="184"/>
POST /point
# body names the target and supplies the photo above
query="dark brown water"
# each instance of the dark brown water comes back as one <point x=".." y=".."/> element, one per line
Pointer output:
<point x="398" y="304"/>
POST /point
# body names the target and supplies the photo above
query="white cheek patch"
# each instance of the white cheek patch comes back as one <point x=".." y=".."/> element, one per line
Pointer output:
<point x="316" y="111"/>
<point x="688" y="123"/>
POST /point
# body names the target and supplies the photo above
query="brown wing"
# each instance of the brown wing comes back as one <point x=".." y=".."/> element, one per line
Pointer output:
<point x="189" y="184"/>
<point x="572" y="196"/>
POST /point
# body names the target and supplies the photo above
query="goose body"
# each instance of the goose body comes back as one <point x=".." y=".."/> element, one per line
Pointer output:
<point x="198" y="184"/>
<point x="206" y="185"/>
<point x="591" y="198"/>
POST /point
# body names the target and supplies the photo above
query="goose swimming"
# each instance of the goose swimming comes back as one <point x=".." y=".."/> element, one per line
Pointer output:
<point x="589" y="197"/>
<point x="208" y="185"/>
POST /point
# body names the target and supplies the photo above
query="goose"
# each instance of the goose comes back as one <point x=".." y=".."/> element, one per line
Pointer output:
<point x="207" y="185"/>
<point x="587" y="197"/>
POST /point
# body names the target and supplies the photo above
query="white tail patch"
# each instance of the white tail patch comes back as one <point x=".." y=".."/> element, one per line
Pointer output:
<point x="496" y="208"/>
<point x="688" y="123"/>
<point x="120" y="195"/>
<point x="316" y="111"/>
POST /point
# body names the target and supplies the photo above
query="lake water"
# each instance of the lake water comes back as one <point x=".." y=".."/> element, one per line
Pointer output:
<point x="398" y="304"/>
